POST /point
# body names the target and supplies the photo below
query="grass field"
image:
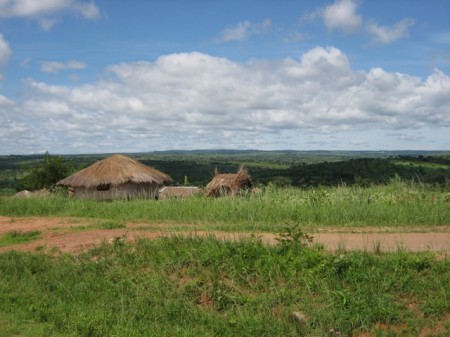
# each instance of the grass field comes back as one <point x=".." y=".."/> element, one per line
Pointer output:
<point x="421" y="164"/>
<point x="180" y="286"/>
<point x="396" y="204"/>
<point x="204" y="287"/>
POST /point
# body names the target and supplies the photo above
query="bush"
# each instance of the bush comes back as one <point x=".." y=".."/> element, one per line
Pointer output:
<point x="47" y="174"/>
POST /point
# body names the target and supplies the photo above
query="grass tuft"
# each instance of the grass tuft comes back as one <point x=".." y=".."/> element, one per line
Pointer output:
<point x="16" y="237"/>
<point x="112" y="225"/>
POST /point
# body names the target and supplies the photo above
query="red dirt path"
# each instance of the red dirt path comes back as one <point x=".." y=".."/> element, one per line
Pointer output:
<point x="75" y="236"/>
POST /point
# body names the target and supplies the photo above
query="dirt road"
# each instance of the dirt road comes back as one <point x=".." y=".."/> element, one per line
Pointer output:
<point x="77" y="235"/>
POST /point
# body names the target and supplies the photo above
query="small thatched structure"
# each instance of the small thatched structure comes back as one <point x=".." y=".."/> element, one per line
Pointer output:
<point x="116" y="177"/>
<point x="228" y="183"/>
<point x="178" y="191"/>
<point x="23" y="194"/>
<point x="27" y="194"/>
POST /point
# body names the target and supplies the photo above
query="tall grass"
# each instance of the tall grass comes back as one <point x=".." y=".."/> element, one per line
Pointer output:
<point x="396" y="204"/>
<point x="204" y="287"/>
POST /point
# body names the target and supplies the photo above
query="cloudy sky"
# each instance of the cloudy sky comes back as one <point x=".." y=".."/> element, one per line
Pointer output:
<point x="83" y="76"/>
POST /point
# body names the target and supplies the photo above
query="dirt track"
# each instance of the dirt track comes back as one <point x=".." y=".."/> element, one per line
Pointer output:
<point x="75" y="235"/>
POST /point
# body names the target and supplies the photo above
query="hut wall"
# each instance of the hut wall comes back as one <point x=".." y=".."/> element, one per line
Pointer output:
<point x="127" y="190"/>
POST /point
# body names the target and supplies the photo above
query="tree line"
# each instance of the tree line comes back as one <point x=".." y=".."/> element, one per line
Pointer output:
<point x="44" y="171"/>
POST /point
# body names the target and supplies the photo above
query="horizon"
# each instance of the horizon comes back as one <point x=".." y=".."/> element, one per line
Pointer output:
<point x="224" y="150"/>
<point x="95" y="76"/>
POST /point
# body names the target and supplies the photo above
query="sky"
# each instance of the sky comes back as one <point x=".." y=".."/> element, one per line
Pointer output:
<point x="83" y="76"/>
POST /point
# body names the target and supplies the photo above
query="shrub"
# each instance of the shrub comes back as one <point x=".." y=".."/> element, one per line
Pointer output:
<point x="47" y="174"/>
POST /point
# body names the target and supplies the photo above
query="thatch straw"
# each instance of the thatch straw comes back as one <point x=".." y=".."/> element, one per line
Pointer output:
<point x="115" y="170"/>
<point x="228" y="183"/>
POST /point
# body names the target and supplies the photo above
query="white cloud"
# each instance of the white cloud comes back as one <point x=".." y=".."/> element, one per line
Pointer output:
<point x="12" y="128"/>
<point x="342" y="16"/>
<point x="86" y="10"/>
<point x="388" y="35"/>
<point x="5" y="102"/>
<point x="47" y="12"/>
<point x="243" y="30"/>
<point x="194" y="100"/>
<point x="54" y="66"/>
<point x="5" y="51"/>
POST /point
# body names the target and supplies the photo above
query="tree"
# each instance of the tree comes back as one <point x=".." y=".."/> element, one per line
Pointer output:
<point x="282" y="181"/>
<point x="46" y="175"/>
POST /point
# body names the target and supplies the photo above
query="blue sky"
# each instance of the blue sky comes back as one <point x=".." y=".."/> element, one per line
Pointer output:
<point x="82" y="76"/>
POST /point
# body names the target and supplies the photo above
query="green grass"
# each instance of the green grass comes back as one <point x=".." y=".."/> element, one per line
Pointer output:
<point x="427" y="165"/>
<point x="7" y="192"/>
<point x="102" y="224"/>
<point x="396" y="204"/>
<point x="270" y="165"/>
<point x="15" y="237"/>
<point x="205" y="287"/>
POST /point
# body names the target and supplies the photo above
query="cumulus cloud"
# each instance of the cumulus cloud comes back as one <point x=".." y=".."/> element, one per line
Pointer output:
<point x="342" y="16"/>
<point x="5" y="102"/>
<point x="5" y="52"/>
<point x="195" y="100"/>
<point x="54" y="66"/>
<point x="12" y="128"/>
<point x="47" y="12"/>
<point x="388" y="35"/>
<point x="243" y="30"/>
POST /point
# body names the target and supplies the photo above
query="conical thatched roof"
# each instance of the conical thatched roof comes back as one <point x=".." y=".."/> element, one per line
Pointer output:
<point x="115" y="170"/>
<point x="228" y="183"/>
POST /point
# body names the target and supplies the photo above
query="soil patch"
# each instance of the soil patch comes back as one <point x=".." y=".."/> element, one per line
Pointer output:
<point x="59" y="234"/>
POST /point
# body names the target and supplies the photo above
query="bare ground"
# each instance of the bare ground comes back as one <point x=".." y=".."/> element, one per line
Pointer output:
<point x="77" y="235"/>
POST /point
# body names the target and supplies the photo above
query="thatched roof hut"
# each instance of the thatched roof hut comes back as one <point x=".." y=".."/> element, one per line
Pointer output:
<point x="228" y="183"/>
<point x="115" y="177"/>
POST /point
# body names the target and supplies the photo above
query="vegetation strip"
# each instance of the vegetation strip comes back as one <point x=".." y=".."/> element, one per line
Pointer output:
<point x="397" y="204"/>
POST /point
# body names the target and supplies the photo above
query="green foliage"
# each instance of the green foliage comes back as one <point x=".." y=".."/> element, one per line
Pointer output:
<point x="112" y="225"/>
<point x="366" y="171"/>
<point x="283" y="168"/>
<point x="14" y="237"/>
<point x="292" y="236"/>
<point x="47" y="173"/>
<point x="5" y="192"/>
<point x="282" y="181"/>
<point x="205" y="287"/>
